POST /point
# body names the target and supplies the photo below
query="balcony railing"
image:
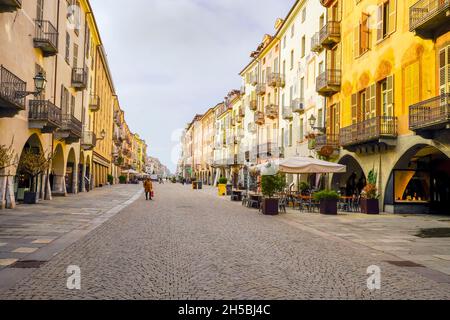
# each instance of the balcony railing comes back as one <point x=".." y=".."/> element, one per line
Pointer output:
<point x="46" y="37"/>
<point x="79" y="78"/>
<point x="287" y="113"/>
<point x="316" y="46"/>
<point x="432" y="114"/>
<point x="329" y="82"/>
<point x="94" y="103"/>
<point x="10" y="5"/>
<point x="330" y="34"/>
<point x="268" y="150"/>
<point x="272" y="111"/>
<point x="88" y="140"/>
<point x="327" y="140"/>
<point x="298" y="105"/>
<point x="261" y="89"/>
<point x="276" y="80"/>
<point x="72" y="127"/>
<point x="44" y="115"/>
<point x="426" y="17"/>
<point x="372" y="130"/>
<point x="10" y="86"/>
<point x="259" y="118"/>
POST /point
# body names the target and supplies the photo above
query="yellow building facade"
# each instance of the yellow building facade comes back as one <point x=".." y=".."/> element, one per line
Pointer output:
<point x="382" y="71"/>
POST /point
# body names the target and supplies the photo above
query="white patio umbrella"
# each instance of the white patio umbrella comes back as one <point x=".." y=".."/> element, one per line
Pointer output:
<point x="299" y="165"/>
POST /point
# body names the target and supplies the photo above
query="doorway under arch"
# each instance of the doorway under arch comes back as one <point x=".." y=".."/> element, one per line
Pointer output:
<point x="80" y="173"/>
<point x="71" y="172"/>
<point x="23" y="182"/>
<point x="351" y="182"/>
<point x="87" y="176"/>
<point x="57" y="180"/>
<point x="419" y="182"/>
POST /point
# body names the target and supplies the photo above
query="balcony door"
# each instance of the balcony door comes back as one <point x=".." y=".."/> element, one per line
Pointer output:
<point x="444" y="70"/>
<point x="333" y="121"/>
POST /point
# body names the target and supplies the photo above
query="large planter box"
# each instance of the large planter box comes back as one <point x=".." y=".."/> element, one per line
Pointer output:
<point x="328" y="207"/>
<point x="270" y="206"/>
<point x="222" y="189"/>
<point x="370" y="206"/>
<point x="30" y="198"/>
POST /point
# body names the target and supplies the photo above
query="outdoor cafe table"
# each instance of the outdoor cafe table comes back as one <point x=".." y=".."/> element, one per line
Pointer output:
<point x="236" y="195"/>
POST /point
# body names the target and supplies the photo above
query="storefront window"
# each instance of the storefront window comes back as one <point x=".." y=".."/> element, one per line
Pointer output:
<point x="412" y="186"/>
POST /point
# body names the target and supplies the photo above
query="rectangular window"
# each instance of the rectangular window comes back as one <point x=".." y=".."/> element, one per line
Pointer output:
<point x="292" y="59"/>
<point x="290" y="135"/>
<point x="302" y="129"/>
<point x="412" y="84"/>
<point x="302" y="88"/>
<point x="320" y="118"/>
<point x="387" y="96"/>
<point x="444" y="70"/>
<point x="386" y="19"/>
<point x="75" y="55"/>
<point x="303" y="46"/>
<point x="67" y="51"/>
<point x="292" y="30"/>
<point x="40" y="10"/>
<point x="303" y="15"/>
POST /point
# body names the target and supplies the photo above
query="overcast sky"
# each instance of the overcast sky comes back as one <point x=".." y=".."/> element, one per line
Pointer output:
<point x="172" y="59"/>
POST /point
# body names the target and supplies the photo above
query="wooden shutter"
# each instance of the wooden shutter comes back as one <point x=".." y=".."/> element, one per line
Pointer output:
<point x="444" y="70"/>
<point x="354" y="108"/>
<point x="356" y="37"/>
<point x="392" y="22"/>
<point x="373" y="101"/>
<point x="40" y="10"/>
<point x="75" y="55"/>
<point x="329" y="125"/>
<point x="337" y="120"/>
<point x="380" y="22"/>
<point x="390" y="96"/>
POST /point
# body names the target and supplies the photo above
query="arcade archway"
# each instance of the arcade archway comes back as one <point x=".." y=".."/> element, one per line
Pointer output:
<point x="57" y="180"/>
<point x="420" y="182"/>
<point x="353" y="181"/>
<point x="24" y="182"/>
<point x="71" y="172"/>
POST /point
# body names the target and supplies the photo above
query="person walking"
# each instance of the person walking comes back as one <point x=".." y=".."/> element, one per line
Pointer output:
<point x="148" y="187"/>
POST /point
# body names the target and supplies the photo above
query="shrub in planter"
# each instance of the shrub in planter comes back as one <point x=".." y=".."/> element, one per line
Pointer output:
<point x="369" y="196"/>
<point x="122" y="179"/>
<point x="328" y="201"/>
<point x="222" y="186"/>
<point x="270" y="185"/>
<point x="110" y="179"/>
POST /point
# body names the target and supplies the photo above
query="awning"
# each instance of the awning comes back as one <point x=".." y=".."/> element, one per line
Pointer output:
<point x="299" y="165"/>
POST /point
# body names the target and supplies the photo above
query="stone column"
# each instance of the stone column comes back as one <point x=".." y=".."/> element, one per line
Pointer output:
<point x="83" y="175"/>
<point x="75" y="179"/>
<point x="2" y="192"/>
<point x="59" y="185"/>
<point x="48" y="191"/>
<point x="10" y="199"/>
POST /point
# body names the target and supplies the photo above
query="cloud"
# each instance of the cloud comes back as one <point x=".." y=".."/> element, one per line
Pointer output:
<point x="172" y="59"/>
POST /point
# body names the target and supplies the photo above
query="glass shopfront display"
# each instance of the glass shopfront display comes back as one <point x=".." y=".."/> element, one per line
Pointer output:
<point x="412" y="186"/>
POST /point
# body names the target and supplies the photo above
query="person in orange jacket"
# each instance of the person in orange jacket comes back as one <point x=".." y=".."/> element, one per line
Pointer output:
<point x="148" y="187"/>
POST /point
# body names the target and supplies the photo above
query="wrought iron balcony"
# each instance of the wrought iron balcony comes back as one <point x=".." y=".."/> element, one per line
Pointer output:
<point x="94" y="103"/>
<point x="276" y="80"/>
<point x="272" y="111"/>
<point x="327" y="144"/>
<point x="89" y="140"/>
<point x="10" y="5"/>
<point x="261" y="89"/>
<point x="287" y="113"/>
<point x="381" y="130"/>
<point x="79" y="78"/>
<point x="71" y="129"/>
<point x="429" y="116"/>
<point x="330" y="34"/>
<point x="316" y="46"/>
<point x="329" y="82"/>
<point x="268" y="150"/>
<point x="46" y="37"/>
<point x="253" y="105"/>
<point x="10" y="86"/>
<point x="44" y="115"/>
<point x="259" y="118"/>
<point x="298" y="105"/>
<point x="430" y="18"/>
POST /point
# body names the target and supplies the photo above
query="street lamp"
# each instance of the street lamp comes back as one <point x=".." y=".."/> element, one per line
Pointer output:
<point x="312" y="122"/>
<point x="39" y="84"/>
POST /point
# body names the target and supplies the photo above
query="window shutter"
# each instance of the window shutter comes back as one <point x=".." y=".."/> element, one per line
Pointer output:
<point x="380" y="22"/>
<point x="328" y="120"/>
<point x="444" y="70"/>
<point x="356" y="41"/>
<point x="392" y="16"/>
<point x="390" y="96"/>
<point x="373" y="101"/>
<point x="354" y="108"/>
<point x="338" y="118"/>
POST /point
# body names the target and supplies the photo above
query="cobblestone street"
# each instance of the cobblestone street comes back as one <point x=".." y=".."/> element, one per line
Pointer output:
<point x="192" y="245"/>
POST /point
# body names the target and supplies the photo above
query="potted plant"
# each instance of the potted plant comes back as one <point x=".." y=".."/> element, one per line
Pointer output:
<point x="122" y="179"/>
<point x="33" y="164"/>
<point x="110" y="179"/>
<point x="369" y="196"/>
<point x="304" y="188"/>
<point x="222" y="186"/>
<point x="270" y="185"/>
<point x="328" y="201"/>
